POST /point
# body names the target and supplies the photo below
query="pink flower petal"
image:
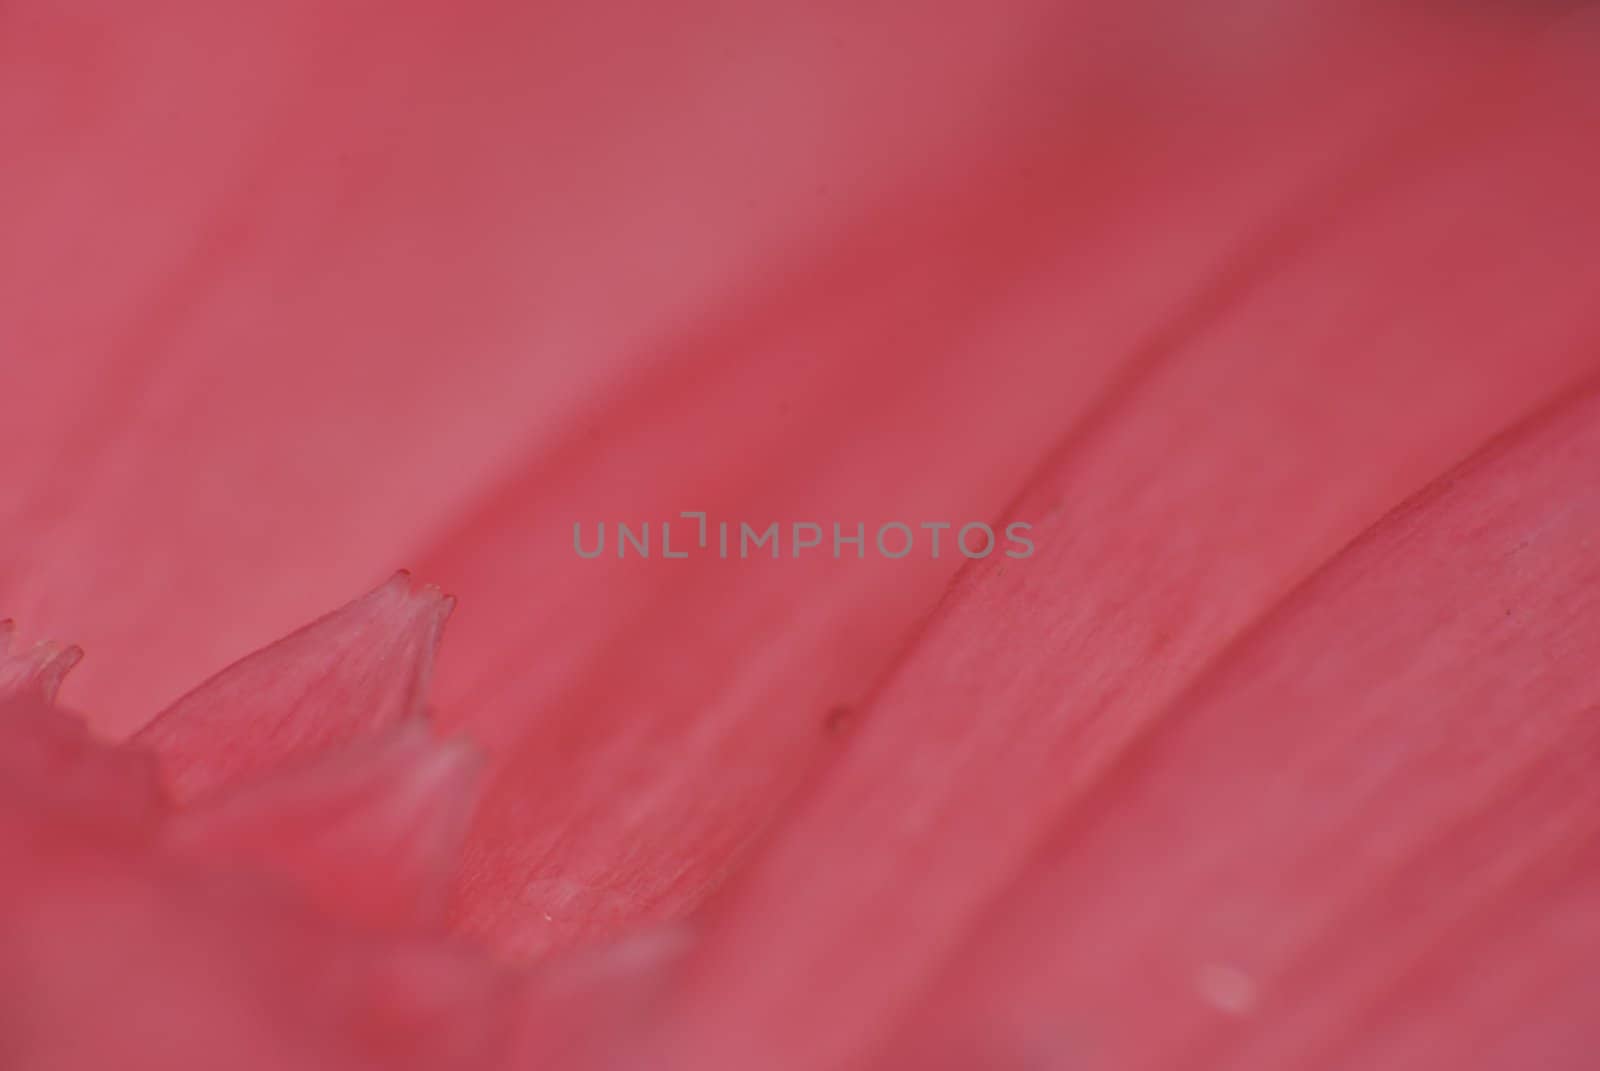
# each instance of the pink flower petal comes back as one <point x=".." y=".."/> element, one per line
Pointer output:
<point x="112" y="954"/>
<point x="50" y="767"/>
<point x="380" y="219"/>
<point x="111" y="959"/>
<point x="1367" y="828"/>
<point x="651" y="717"/>
<point x="1163" y="533"/>
<point x="356" y="671"/>
<point x="39" y="670"/>
<point x="260" y="259"/>
<point x="572" y="1003"/>
<point x="372" y="831"/>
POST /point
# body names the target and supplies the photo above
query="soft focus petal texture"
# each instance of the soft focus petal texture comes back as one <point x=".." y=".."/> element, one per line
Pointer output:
<point x="362" y="668"/>
<point x="1241" y="280"/>
<point x="259" y="259"/>
<point x="373" y="830"/>
<point x="116" y="951"/>
<point x="38" y="670"/>
<point x="1404" y="760"/>
<point x="919" y="373"/>
<point x="51" y="769"/>
<point x="113" y="960"/>
<point x="1162" y="533"/>
<point x="343" y="213"/>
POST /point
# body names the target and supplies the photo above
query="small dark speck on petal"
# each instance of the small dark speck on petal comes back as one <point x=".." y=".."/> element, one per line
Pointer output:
<point x="838" y="718"/>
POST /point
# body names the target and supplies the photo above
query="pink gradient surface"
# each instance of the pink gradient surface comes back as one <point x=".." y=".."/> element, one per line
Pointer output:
<point x="1275" y="322"/>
